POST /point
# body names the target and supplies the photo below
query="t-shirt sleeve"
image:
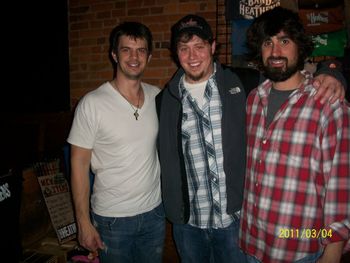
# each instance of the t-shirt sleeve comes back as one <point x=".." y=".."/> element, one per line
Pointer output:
<point x="84" y="126"/>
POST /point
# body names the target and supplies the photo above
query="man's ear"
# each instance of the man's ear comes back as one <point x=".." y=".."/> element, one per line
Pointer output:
<point x="213" y="47"/>
<point x="114" y="56"/>
<point x="149" y="58"/>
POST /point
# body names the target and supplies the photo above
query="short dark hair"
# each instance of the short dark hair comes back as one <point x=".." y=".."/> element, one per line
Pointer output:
<point x="270" y="24"/>
<point x="135" y="30"/>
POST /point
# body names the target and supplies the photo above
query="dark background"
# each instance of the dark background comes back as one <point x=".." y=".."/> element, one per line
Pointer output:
<point x="35" y="57"/>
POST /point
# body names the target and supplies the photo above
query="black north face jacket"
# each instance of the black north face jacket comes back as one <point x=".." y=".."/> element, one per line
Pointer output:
<point x="174" y="179"/>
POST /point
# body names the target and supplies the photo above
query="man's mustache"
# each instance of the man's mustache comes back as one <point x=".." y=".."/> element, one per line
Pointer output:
<point x="277" y="58"/>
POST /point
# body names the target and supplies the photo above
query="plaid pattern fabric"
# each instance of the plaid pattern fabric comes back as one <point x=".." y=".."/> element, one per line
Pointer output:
<point x="202" y="149"/>
<point x="298" y="176"/>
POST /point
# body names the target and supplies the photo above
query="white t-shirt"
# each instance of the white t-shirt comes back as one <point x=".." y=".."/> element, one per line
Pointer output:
<point x="124" y="156"/>
<point x="197" y="91"/>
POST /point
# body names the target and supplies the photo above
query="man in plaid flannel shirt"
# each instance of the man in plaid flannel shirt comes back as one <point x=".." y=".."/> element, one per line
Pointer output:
<point x="296" y="204"/>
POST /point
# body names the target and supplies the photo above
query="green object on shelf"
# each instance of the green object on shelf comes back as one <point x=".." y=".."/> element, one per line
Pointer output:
<point x="330" y="44"/>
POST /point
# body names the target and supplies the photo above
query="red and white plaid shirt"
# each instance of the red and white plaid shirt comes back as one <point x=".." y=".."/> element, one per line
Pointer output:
<point x="297" y="189"/>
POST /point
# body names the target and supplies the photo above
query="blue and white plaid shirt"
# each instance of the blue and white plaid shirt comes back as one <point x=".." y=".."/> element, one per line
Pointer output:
<point x="203" y="155"/>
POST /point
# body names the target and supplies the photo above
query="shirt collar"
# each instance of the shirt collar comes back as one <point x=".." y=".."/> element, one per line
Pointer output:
<point x="305" y="87"/>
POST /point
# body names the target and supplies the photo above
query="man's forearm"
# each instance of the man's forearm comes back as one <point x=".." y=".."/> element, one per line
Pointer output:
<point x="80" y="163"/>
<point x="81" y="197"/>
<point x="332" y="253"/>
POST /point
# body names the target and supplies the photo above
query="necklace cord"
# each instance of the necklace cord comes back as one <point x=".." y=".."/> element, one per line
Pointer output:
<point x="136" y="113"/>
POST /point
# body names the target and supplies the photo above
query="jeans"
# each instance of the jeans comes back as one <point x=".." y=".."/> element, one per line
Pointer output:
<point x="312" y="258"/>
<point x="208" y="245"/>
<point x="137" y="238"/>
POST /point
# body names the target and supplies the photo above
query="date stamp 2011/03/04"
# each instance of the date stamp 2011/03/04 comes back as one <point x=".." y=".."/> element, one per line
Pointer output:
<point x="304" y="233"/>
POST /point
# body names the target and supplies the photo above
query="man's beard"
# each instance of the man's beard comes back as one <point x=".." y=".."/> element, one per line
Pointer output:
<point x="195" y="77"/>
<point x="278" y="74"/>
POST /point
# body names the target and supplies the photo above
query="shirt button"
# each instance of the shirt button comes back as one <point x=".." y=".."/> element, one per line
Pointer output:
<point x="264" y="141"/>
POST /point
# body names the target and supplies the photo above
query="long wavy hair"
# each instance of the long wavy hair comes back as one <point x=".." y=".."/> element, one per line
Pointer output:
<point x="270" y="24"/>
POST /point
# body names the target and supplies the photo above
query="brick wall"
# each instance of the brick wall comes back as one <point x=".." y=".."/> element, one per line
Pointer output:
<point x="91" y="21"/>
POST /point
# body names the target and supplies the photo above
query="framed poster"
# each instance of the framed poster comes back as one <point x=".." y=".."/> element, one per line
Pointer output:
<point x="56" y="192"/>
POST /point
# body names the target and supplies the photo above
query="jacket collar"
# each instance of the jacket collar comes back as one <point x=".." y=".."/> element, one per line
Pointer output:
<point x="173" y="84"/>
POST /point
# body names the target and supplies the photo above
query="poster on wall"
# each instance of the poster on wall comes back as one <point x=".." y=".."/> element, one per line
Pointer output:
<point x="242" y="13"/>
<point x="56" y="192"/>
<point x="251" y="9"/>
<point x="320" y="21"/>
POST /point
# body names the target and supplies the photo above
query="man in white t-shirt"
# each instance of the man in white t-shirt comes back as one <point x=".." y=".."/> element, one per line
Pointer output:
<point x="114" y="133"/>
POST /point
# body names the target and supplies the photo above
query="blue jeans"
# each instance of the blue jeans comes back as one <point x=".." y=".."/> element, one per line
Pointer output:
<point x="312" y="258"/>
<point x="137" y="238"/>
<point x="208" y="245"/>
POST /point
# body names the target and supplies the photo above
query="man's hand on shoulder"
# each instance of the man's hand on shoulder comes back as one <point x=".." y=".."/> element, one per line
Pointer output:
<point x="328" y="88"/>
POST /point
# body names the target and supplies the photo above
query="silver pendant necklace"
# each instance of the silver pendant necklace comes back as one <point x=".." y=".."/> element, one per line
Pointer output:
<point x="136" y="114"/>
<point x="136" y="111"/>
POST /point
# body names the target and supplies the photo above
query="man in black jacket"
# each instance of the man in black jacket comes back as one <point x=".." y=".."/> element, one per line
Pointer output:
<point x="202" y="146"/>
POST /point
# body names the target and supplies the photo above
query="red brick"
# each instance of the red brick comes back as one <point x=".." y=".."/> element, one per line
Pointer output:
<point x="91" y="22"/>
